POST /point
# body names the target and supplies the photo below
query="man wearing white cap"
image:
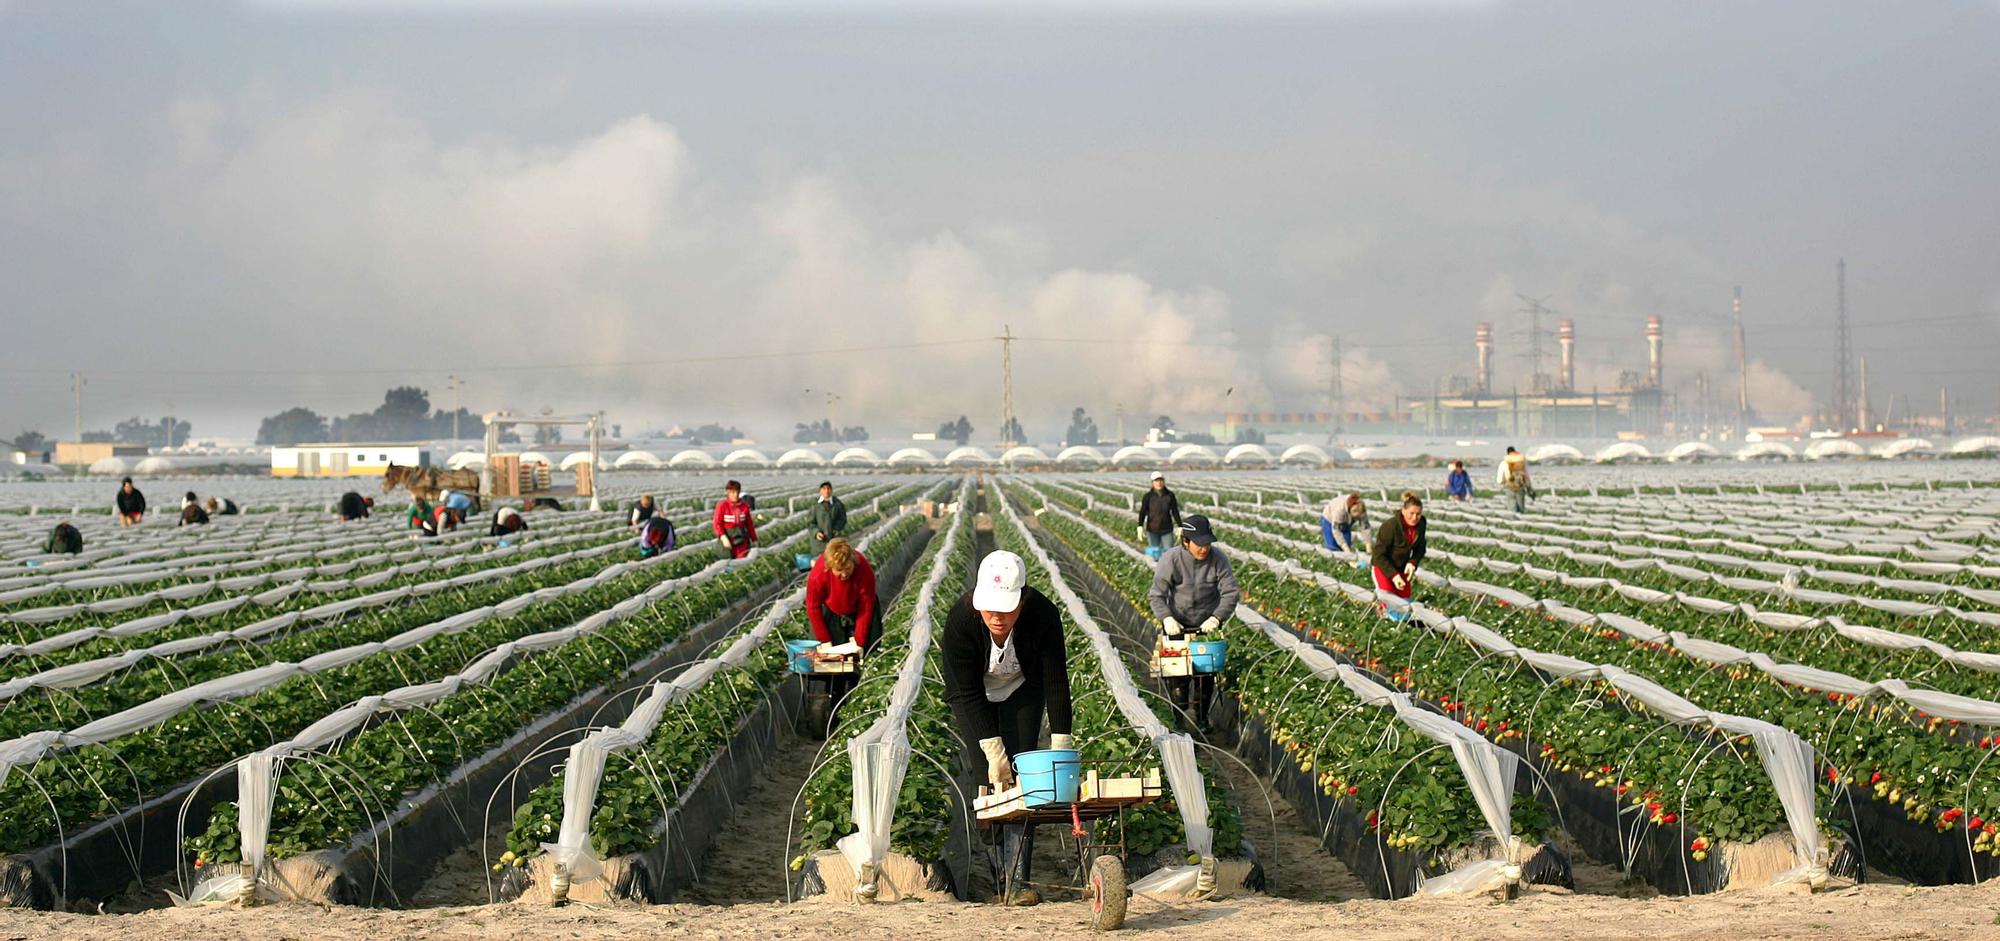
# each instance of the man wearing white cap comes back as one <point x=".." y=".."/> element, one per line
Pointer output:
<point x="1004" y="669"/>
<point x="1159" y="515"/>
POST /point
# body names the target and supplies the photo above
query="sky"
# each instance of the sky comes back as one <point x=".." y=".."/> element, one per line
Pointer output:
<point x="681" y="213"/>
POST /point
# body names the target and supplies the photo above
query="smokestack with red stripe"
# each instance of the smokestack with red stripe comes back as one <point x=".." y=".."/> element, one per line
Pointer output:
<point x="1566" y="337"/>
<point x="1482" y="337"/>
<point x="1653" y="367"/>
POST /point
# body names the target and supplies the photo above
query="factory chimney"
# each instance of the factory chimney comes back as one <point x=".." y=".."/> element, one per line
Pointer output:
<point x="1482" y="337"/>
<point x="1653" y="367"/>
<point x="1566" y="338"/>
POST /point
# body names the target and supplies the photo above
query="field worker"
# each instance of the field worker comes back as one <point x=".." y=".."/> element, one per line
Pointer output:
<point x="222" y="506"/>
<point x="460" y="502"/>
<point x="1339" y="519"/>
<point x="444" y="519"/>
<point x="1004" y="669"/>
<point x="656" y="535"/>
<point x="507" y="521"/>
<point x="829" y="516"/>
<point x="641" y="511"/>
<point x="1159" y="514"/>
<point x="354" y="506"/>
<point x="191" y="512"/>
<point x="840" y="602"/>
<point x="131" y="504"/>
<point x="735" y="522"/>
<point x="419" y="517"/>
<point x="1399" y="548"/>
<point x="1458" y="483"/>
<point x="1513" y="475"/>
<point x="64" y="539"/>
<point x="1194" y="591"/>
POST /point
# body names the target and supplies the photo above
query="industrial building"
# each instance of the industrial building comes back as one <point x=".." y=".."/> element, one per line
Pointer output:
<point x="345" y="460"/>
<point x="1553" y="406"/>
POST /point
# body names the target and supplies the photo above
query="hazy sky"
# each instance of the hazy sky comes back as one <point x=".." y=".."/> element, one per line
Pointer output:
<point x="235" y="209"/>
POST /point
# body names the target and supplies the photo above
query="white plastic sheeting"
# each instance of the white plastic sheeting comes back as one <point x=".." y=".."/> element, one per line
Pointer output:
<point x="258" y="771"/>
<point x="1489" y="770"/>
<point x="583" y="772"/>
<point x="90" y="671"/>
<point x="880" y="754"/>
<point x="32" y="748"/>
<point x="1787" y="759"/>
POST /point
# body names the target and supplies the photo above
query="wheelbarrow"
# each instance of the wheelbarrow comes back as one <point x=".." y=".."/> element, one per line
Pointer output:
<point x="818" y="667"/>
<point x="1194" y="658"/>
<point x="1075" y="791"/>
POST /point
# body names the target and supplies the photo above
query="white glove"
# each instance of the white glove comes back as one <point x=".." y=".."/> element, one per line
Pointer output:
<point x="1061" y="742"/>
<point x="1141" y="530"/>
<point x="1209" y="626"/>
<point x="1171" y="626"/>
<point x="1400" y="582"/>
<point x="1409" y="570"/>
<point x="998" y="770"/>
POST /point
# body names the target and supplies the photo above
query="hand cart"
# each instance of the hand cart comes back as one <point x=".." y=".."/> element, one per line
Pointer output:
<point x="1100" y="866"/>
<point x="819" y="676"/>
<point x="1188" y="680"/>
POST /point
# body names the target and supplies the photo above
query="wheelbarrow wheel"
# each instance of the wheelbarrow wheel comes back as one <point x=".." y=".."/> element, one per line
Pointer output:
<point x="1107" y="893"/>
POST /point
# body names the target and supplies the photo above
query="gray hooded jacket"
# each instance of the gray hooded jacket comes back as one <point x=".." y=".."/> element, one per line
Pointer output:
<point x="1191" y="592"/>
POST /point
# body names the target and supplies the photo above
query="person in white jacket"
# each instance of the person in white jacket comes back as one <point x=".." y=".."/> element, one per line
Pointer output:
<point x="1343" y="519"/>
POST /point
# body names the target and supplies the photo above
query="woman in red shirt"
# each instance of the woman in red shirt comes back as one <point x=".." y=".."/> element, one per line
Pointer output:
<point x="840" y="602"/>
<point x="735" y="522"/>
<point x="1399" y="548"/>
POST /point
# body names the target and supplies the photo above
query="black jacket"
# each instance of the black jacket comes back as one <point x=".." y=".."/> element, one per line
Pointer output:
<point x="228" y="508"/>
<point x="1038" y="641"/>
<point x="1393" y="549"/>
<point x="352" y="507"/>
<point x="134" y="502"/>
<point x="194" y="515"/>
<point x="1160" y="510"/>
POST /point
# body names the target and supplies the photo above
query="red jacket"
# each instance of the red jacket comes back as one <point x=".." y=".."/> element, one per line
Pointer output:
<point x="848" y="597"/>
<point x="735" y="513"/>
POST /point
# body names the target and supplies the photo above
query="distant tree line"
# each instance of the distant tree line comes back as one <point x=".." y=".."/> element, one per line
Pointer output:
<point x="404" y="415"/>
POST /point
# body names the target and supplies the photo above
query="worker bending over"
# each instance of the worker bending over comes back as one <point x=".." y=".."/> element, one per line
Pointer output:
<point x="840" y="603"/>
<point x="1338" y="521"/>
<point x="1004" y="670"/>
<point x="1399" y="549"/>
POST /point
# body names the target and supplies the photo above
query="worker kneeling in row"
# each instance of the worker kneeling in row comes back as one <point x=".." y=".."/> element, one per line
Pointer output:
<point x="507" y="521"/>
<point x="1004" y="669"/>
<point x="1194" y="591"/>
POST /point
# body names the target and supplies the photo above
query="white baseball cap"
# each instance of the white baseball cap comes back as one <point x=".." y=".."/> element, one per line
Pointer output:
<point x="1159" y="475"/>
<point x="1001" y="576"/>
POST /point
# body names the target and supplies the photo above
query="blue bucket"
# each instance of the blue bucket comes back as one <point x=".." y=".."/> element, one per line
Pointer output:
<point x="1208" y="655"/>
<point x="801" y="654"/>
<point x="1050" y="776"/>
<point x="1154" y="552"/>
<point x="803" y="562"/>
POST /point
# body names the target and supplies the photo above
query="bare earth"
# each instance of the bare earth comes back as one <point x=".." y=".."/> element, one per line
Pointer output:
<point x="1865" y="912"/>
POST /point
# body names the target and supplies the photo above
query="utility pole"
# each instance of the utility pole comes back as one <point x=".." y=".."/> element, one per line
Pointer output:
<point x="1742" y="370"/>
<point x="455" y="409"/>
<point x="1121" y="424"/>
<point x="1006" y="339"/>
<point x="170" y="426"/>
<point x="1843" y="376"/>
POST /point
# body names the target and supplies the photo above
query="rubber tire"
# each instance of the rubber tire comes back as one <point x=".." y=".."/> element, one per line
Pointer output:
<point x="1107" y="893"/>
